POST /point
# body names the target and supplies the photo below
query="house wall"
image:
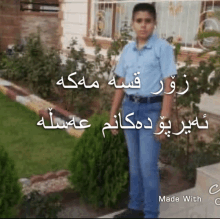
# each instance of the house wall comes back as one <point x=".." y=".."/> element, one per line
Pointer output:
<point x="47" y="22"/>
<point x="9" y="22"/>
<point x="74" y="21"/>
<point x="73" y="24"/>
<point x="15" y="24"/>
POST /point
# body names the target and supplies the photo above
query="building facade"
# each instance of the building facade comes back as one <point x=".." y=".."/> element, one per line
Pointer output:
<point x="106" y="19"/>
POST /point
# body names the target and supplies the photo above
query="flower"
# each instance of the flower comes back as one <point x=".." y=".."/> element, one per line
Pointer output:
<point x="177" y="39"/>
<point x="196" y="79"/>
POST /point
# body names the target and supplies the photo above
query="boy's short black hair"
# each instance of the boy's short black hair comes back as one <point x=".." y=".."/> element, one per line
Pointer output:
<point x="145" y="7"/>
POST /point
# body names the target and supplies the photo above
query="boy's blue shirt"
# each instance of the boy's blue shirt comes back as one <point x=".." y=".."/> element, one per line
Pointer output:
<point x="155" y="62"/>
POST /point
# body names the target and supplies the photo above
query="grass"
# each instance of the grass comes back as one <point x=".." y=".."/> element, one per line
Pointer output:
<point x="34" y="149"/>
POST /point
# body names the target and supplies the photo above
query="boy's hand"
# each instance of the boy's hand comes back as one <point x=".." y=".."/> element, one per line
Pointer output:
<point x="112" y="123"/>
<point x="162" y="136"/>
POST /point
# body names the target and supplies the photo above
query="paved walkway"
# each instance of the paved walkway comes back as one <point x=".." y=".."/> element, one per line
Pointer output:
<point x="40" y="106"/>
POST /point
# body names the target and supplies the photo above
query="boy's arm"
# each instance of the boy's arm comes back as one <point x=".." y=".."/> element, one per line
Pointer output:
<point x="167" y="98"/>
<point x="166" y="106"/>
<point x="168" y="68"/>
<point x="119" y="94"/>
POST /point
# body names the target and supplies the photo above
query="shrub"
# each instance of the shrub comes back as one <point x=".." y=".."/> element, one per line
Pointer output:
<point x="81" y="97"/>
<point x="3" y="60"/>
<point x="43" y="65"/>
<point x="41" y="206"/>
<point x="99" y="165"/>
<point x="37" y="65"/>
<point x="10" y="190"/>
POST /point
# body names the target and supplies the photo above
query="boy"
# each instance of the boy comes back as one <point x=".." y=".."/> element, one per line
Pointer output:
<point x="154" y="59"/>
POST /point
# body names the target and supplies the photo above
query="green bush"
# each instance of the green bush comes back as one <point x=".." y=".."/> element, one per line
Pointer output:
<point x="3" y="60"/>
<point x="99" y="165"/>
<point x="36" y="205"/>
<point x="37" y="66"/>
<point x="10" y="190"/>
<point x="81" y="97"/>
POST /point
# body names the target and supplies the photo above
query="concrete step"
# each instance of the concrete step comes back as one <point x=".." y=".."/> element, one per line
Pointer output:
<point x="203" y="208"/>
<point x="208" y="178"/>
<point x="112" y="214"/>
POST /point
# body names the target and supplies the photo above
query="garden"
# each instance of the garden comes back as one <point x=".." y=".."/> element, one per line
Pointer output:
<point x="98" y="166"/>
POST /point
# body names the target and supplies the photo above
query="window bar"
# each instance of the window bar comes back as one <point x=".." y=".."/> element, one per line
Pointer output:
<point x="108" y="33"/>
<point x="95" y="19"/>
<point x="101" y="7"/>
<point x="181" y="19"/>
<point x="213" y="6"/>
<point x="116" y="18"/>
<point x="155" y="5"/>
<point x="174" y="34"/>
<point x="112" y="21"/>
<point x="167" y="18"/>
<point x="160" y="25"/>
<point x="119" y="26"/>
<point x="193" y="42"/>
<point x="106" y="8"/>
<point x="187" y="22"/>
<point x="105" y="31"/>
<point x="204" y="9"/>
<point x="89" y="14"/>
<point x="122" y="17"/>
<point x="101" y="10"/>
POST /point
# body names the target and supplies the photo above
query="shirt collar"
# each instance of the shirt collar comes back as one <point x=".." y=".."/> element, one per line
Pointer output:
<point x="148" y="44"/>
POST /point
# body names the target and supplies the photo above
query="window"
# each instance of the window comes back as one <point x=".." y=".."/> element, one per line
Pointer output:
<point x="210" y="20"/>
<point x="40" y="5"/>
<point x="108" y="18"/>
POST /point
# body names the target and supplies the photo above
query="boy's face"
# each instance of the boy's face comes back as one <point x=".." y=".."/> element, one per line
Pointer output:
<point x="143" y="24"/>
